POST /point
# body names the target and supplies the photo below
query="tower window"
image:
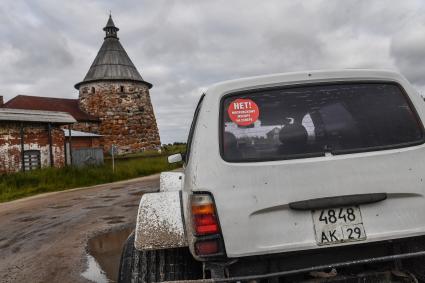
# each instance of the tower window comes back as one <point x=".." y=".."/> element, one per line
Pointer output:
<point x="92" y="89"/>
<point x="121" y="88"/>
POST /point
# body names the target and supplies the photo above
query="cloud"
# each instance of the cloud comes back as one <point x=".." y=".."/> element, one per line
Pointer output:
<point x="182" y="46"/>
<point x="408" y="51"/>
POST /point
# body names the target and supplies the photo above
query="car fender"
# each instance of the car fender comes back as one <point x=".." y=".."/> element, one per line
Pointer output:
<point x="170" y="181"/>
<point x="160" y="224"/>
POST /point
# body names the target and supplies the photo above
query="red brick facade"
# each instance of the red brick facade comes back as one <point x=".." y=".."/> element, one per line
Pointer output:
<point x="35" y="138"/>
<point x="85" y="142"/>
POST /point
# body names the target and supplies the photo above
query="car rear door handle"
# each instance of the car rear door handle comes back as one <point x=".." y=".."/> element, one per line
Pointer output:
<point x="331" y="202"/>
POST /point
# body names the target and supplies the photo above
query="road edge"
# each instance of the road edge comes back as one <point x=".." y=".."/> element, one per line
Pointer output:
<point x="118" y="183"/>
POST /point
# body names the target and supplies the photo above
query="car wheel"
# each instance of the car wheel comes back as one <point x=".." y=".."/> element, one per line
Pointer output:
<point x="157" y="265"/>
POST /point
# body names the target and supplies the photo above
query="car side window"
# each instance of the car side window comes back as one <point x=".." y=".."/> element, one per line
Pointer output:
<point x="192" y="128"/>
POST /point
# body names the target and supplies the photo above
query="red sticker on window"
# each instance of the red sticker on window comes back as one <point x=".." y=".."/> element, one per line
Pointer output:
<point x="243" y="112"/>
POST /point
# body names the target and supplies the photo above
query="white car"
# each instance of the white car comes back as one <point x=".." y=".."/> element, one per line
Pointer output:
<point x="292" y="177"/>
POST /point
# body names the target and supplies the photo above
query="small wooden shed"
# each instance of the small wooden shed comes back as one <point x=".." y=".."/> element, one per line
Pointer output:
<point x="82" y="139"/>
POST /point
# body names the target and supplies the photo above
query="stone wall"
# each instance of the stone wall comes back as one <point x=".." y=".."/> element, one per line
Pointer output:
<point x="35" y="138"/>
<point x="89" y="127"/>
<point x="126" y="114"/>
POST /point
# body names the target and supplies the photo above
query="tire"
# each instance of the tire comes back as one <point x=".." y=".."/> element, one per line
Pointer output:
<point x="157" y="265"/>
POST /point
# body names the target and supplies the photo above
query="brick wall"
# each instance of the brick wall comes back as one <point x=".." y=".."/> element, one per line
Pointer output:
<point x="35" y="138"/>
<point x="85" y="142"/>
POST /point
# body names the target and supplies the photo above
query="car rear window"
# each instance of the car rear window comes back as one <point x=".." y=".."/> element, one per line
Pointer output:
<point x="308" y="121"/>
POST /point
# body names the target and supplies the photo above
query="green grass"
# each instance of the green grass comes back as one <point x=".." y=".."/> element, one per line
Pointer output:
<point x="18" y="185"/>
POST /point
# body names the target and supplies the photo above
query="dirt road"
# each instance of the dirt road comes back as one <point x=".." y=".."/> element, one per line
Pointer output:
<point x="43" y="238"/>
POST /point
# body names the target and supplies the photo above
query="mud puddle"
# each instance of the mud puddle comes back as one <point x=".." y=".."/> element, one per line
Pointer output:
<point x="103" y="258"/>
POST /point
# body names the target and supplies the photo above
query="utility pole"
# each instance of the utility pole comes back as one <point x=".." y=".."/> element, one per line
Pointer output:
<point x="113" y="157"/>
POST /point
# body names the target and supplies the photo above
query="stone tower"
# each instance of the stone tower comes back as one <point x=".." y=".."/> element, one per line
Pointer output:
<point x="115" y="92"/>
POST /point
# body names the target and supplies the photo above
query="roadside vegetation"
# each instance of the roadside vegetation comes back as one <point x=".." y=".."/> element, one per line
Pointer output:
<point x="23" y="184"/>
<point x="166" y="149"/>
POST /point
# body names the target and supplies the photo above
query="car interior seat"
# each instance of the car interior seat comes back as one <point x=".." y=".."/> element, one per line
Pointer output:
<point x="293" y="139"/>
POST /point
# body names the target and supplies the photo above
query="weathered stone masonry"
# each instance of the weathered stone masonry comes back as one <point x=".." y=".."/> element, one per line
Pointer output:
<point x="125" y="112"/>
<point x="89" y="127"/>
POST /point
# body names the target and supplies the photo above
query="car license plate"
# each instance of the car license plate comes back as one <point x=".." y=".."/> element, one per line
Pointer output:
<point x="338" y="225"/>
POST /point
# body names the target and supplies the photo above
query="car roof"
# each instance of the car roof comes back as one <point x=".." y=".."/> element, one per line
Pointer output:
<point x="303" y="77"/>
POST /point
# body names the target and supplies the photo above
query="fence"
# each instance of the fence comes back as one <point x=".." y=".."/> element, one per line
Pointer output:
<point x="87" y="156"/>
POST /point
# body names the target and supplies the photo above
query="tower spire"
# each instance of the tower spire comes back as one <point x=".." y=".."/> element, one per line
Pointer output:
<point x="112" y="62"/>
<point x="110" y="28"/>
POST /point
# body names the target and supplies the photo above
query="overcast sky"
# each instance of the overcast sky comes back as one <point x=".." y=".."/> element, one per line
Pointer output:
<point x="183" y="46"/>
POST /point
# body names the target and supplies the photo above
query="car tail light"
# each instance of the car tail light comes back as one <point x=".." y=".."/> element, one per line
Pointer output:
<point x="204" y="215"/>
<point x="209" y="242"/>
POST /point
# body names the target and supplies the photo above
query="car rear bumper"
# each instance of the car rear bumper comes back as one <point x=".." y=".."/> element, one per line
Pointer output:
<point x="375" y="260"/>
<point x="330" y="256"/>
<point x="327" y="267"/>
<point x="378" y="277"/>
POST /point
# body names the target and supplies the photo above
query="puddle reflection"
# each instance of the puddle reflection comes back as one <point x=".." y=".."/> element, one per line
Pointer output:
<point x="104" y="256"/>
